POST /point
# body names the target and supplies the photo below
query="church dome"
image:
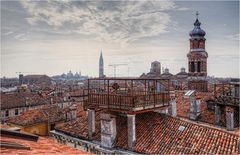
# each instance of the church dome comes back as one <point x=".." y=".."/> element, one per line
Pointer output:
<point x="197" y="31"/>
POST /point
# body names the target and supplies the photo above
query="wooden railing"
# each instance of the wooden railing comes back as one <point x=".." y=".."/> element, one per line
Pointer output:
<point x="127" y="102"/>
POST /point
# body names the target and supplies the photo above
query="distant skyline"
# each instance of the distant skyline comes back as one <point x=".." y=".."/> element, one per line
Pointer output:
<point x="52" y="37"/>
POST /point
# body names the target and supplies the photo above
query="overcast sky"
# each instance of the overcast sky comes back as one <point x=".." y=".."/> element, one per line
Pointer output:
<point x="52" y="37"/>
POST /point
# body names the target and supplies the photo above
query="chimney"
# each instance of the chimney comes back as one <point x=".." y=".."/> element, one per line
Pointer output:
<point x="51" y="100"/>
<point x="217" y="114"/>
<point x="131" y="131"/>
<point x="195" y="108"/>
<point x="91" y="123"/>
<point x="230" y="118"/>
<point x="108" y="130"/>
<point x="173" y="107"/>
<point x="195" y="105"/>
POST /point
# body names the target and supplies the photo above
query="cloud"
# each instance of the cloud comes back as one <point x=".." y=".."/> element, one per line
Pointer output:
<point x="234" y="37"/>
<point x="183" y="9"/>
<point x="7" y="33"/>
<point x="110" y="21"/>
<point x="21" y="37"/>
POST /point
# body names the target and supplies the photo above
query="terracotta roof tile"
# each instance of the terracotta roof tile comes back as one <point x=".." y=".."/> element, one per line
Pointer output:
<point x="160" y="134"/>
<point x="44" y="145"/>
<point x="54" y="112"/>
<point x="21" y="99"/>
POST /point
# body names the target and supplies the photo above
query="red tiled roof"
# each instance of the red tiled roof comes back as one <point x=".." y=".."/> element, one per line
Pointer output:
<point x="78" y="92"/>
<point x="79" y="127"/>
<point x="37" y="79"/>
<point x="23" y="99"/>
<point x="44" y="145"/>
<point x="159" y="134"/>
<point x="183" y="106"/>
<point x="52" y="113"/>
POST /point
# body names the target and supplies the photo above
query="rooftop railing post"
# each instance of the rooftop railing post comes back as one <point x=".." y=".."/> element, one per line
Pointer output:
<point x="108" y="94"/>
<point x="223" y="88"/>
<point x="120" y="101"/>
<point x="145" y="93"/>
<point x="88" y="93"/>
<point x="133" y="103"/>
<point x="131" y="87"/>
<point x="125" y="85"/>
<point x="154" y="93"/>
<point x="99" y="85"/>
<point x="168" y="91"/>
<point x="104" y="87"/>
<point x="214" y="90"/>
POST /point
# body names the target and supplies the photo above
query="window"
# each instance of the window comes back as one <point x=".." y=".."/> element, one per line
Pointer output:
<point x="198" y="66"/>
<point x="6" y="113"/>
<point x="192" y="67"/>
<point x="16" y="111"/>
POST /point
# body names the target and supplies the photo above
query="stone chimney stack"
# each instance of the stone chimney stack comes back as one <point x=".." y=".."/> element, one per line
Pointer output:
<point x="230" y="118"/>
<point x="131" y="131"/>
<point x="173" y="106"/>
<point x="108" y="130"/>
<point x="195" y="108"/>
<point x="91" y="123"/>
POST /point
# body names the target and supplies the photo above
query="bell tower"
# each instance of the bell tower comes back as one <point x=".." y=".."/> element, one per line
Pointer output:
<point x="101" y="66"/>
<point x="197" y="59"/>
<point x="197" y="56"/>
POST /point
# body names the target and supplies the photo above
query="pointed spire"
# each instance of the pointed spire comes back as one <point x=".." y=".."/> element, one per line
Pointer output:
<point x="101" y="66"/>
<point x="101" y="57"/>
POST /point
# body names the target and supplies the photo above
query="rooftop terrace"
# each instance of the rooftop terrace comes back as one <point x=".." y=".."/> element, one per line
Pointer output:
<point x="128" y="95"/>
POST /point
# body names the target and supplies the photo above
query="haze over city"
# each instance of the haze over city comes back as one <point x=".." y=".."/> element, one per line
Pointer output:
<point x="52" y="37"/>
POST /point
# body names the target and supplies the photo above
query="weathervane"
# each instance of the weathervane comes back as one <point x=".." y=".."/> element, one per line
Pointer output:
<point x="197" y="14"/>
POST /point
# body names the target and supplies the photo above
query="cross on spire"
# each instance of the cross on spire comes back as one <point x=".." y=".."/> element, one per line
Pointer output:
<point x="197" y="14"/>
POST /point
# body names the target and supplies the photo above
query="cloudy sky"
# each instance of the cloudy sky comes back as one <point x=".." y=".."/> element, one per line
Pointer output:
<point x="52" y="37"/>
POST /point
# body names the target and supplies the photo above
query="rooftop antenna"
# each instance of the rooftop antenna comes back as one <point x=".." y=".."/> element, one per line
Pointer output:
<point x="115" y="66"/>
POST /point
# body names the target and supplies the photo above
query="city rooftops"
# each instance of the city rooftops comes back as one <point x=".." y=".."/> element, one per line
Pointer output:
<point x="161" y="134"/>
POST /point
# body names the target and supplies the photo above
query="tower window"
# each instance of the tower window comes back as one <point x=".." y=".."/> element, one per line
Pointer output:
<point x="198" y="66"/>
<point x="192" y="67"/>
<point x="6" y="113"/>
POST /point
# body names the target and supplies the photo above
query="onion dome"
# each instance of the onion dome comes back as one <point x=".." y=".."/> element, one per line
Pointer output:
<point x="197" y="31"/>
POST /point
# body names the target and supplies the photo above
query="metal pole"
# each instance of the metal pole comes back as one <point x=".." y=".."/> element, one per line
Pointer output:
<point x="214" y="90"/>
<point x="145" y="87"/>
<point x="168" y="91"/>
<point x="108" y="93"/>
<point x="154" y="98"/>
<point x="104" y="85"/>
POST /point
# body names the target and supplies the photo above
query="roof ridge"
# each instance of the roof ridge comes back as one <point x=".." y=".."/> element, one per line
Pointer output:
<point x="202" y="124"/>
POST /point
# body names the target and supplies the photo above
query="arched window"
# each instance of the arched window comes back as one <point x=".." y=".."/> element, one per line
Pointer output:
<point x="198" y="66"/>
<point x="192" y="67"/>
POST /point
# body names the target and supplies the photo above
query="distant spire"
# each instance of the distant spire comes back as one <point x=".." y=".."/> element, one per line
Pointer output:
<point x="101" y="66"/>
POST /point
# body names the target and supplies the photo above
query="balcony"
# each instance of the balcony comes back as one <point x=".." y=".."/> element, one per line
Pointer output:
<point x="129" y="95"/>
<point x="227" y="94"/>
